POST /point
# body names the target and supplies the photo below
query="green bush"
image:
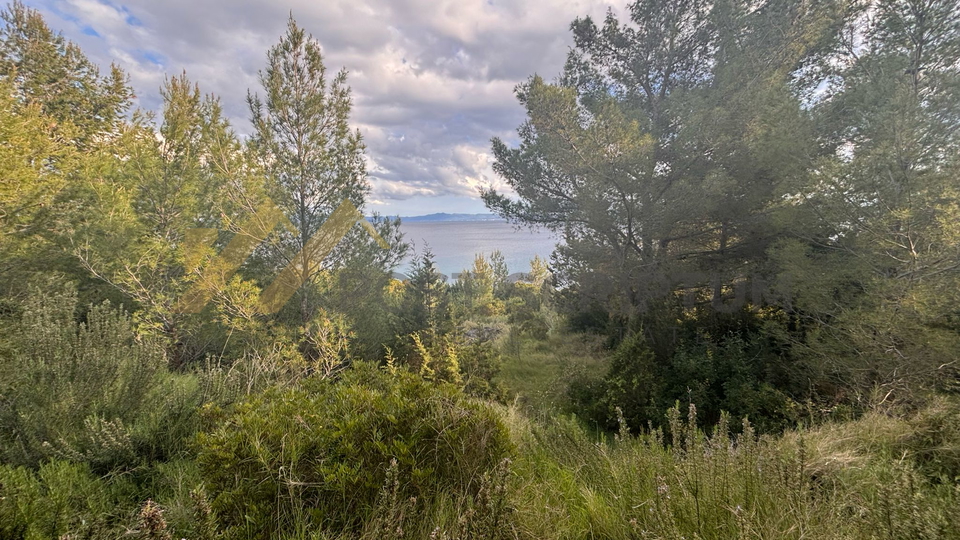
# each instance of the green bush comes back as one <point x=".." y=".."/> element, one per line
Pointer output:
<point x="68" y="500"/>
<point x="480" y="364"/>
<point x="57" y="499"/>
<point x="526" y="315"/>
<point x="728" y="375"/>
<point x="89" y="391"/>
<point x="319" y="455"/>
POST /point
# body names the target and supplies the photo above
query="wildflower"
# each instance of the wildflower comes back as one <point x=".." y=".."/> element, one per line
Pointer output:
<point x="662" y="488"/>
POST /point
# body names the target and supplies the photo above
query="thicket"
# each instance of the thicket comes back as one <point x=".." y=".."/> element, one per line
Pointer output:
<point x="90" y="391"/>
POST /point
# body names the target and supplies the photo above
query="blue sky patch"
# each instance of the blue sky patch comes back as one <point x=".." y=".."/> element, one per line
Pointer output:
<point x="130" y="18"/>
<point x="153" y="57"/>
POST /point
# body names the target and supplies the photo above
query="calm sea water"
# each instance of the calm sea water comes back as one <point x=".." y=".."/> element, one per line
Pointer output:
<point x="456" y="243"/>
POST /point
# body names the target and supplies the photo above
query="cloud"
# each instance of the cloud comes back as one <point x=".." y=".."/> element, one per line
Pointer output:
<point x="432" y="80"/>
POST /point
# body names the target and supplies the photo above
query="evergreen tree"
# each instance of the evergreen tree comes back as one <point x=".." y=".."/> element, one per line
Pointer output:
<point x="501" y="287"/>
<point x="62" y="105"/>
<point x="426" y="299"/>
<point x="142" y="208"/>
<point x="877" y="274"/>
<point x="313" y="162"/>
<point x="475" y="289"/>
<point x="34" y="168"/>
<point x="667" y="148"/>
<point x="53" y="72"/>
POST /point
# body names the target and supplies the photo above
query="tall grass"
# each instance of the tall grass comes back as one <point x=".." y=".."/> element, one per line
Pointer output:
<point x="828" y="483"/>
<point x="867" y="479"/>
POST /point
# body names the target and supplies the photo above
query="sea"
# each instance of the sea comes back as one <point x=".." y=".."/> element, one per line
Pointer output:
<point x="455" y="244"/>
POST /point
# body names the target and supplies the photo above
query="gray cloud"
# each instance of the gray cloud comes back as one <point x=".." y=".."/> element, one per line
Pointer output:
<point x="432" y="80"/>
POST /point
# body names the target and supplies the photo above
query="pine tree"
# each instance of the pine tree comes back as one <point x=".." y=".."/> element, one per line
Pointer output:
<point x="313" y="160"/>
<point x="879" y="270"/>
<point x="475" y="289"/>
<point x="34" y="168"/>
<point x="53" y="72"/>
<point x="501" y="287"/>
<point x="142" y="208"/>
<point x="426" y="300"/>
<point x="665" y="150"/>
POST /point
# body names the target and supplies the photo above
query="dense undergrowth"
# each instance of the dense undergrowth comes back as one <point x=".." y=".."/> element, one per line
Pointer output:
<point x="135" y="450"/>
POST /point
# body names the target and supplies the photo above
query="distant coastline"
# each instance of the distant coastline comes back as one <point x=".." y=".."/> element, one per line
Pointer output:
<point x="444" y="217"/>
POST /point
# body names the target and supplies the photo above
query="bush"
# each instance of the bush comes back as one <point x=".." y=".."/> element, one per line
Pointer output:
<point x="725" y="376"/>
<point x="68" y="500"/>
<point x="480" y="364"/>
<point x="57" y="499"/>
<point x="526" y="315"/>
<point x="89" y="392"/>
<point x="318" y="456"/>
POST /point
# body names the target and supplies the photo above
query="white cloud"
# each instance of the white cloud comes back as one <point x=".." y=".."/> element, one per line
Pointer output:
<point x="432" y="80"/>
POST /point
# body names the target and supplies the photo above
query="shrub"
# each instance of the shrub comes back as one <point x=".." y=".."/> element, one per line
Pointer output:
<point x="57" y="499"/>
<point x="725" y="376"/>
<point x="526" y="315"/>
<point x="319" y="455"/>
<point x="68" y="500"/>
<point x="480" y="364"/>
<point x="89" y="392"/>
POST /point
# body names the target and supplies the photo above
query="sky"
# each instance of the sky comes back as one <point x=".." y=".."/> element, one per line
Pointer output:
<point x="433" y="81"/>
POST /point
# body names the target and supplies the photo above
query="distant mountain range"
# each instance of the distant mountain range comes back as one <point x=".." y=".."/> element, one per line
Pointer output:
<point x="433" y="218"/>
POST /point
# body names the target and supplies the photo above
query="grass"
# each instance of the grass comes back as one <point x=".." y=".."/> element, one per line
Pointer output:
<point x="537" y="373"/>
<point x="853" y="480"/>
<point x="879" y="477"/>
<point x="884" y="475"/>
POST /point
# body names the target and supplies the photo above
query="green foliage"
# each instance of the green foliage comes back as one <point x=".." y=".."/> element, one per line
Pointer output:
<point x="313" y="161"/>
<point x="720" y="362"/>
<point x="699" y="485"/>
<point x="57" y="499"/>
<point x="475" y="288"/>
<point x="541" y="374"/>
<point x="480" y="364"/>
<point x="313" y="158"/>
<point x="803" y="153"/>
<point x="138" y="213"/>
<point x="882" y="215"/>
<point x="62" y="499"/>
<point x="325" y="344"/>
<point x="52" y="72"/>
<point x="659" y="152"/>
<point x="935" y="441"/>
<point x="759" y="208"/>
<point x="426" y="299"/>
<point x="320" y="454"/>
<point x="89" y="392"/>
<point x="524" y="314"/>
<point x="363" y="291"/>
<point x="34" y="166"/>
<point x="435" y="360"/>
